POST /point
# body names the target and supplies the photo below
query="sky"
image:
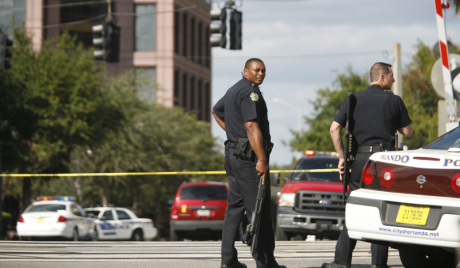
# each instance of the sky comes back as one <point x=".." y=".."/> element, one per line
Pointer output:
<point x="306" y="44"/>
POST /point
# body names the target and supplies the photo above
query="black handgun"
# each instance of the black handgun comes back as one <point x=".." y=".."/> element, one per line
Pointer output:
<point x="252" y="229"/>
<point x="350" y="145"/>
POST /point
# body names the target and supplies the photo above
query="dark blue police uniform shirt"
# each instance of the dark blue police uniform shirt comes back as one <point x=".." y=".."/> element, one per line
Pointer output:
<point x="241" y="103"/>
<point x="377" y="116"/>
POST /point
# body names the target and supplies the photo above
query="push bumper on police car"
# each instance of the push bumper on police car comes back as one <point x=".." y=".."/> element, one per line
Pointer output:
<point x="290" y="221"/>
<point x="372" y="216"/>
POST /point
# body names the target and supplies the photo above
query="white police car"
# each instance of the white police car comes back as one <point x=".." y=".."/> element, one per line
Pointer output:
<point x="55" y="217"/>
<point x="121" y="224"/>
<point x="410" y="200"/>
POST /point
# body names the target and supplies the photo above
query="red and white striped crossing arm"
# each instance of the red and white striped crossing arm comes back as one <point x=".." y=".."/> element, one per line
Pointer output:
<point x="450" y="102"/>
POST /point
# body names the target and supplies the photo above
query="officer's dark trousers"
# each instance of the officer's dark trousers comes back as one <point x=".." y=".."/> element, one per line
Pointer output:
<point x="345" y="245"/>
<point x="243" y="185"/>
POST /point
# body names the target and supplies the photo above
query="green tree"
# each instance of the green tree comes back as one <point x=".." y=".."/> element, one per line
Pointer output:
<point x="418" y="95"/>
<point x="152" y="138"/>
<point x="54" y="99"/>
<point x="325" y="109"/>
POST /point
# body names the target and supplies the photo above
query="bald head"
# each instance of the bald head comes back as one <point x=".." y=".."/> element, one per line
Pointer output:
<point x="378" y="69"/>
<point x="251" y="60"/>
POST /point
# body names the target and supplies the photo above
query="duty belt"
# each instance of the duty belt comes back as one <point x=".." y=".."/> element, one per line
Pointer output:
<point x="369" y="149"/>
<point x="375" y="148"/>
<point x="268" y="146"/>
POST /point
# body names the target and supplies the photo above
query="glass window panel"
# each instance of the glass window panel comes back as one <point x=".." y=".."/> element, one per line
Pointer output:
<point x="204" y="192"/>
<point x="47" y="207"/>
<point x="146" y="83"/>
<point x="123" y="215"/>
<point x="108" y="215"/>
<point x="316" y="163"/>
<point x="10" y="9"/>
<point x="145" y="27"/>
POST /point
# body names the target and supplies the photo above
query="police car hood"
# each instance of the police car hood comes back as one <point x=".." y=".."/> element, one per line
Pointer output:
<point x="421" y="158"/>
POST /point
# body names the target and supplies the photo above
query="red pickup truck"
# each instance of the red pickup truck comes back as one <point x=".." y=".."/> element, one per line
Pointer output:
<point x="310" y="203"/>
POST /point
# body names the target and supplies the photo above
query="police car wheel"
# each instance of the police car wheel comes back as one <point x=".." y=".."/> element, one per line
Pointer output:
<point x="75" y="234"/>
<point x="137" y="235"/>
<point x="426" y="257"/>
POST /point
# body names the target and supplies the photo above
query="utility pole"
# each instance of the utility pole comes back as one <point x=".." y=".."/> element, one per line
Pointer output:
<point x="397" y="72"/>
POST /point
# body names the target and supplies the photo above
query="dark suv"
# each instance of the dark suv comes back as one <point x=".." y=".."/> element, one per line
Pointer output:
<point x="198" y="211"/>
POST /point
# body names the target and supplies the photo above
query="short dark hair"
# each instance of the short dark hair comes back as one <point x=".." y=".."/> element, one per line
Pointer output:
<point x="378" y="69"/>
<point x="248" y="62"/>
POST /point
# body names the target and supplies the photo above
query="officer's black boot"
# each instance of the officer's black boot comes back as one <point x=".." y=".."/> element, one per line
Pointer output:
<point x="236" y="265"/>
<point x="379" y="266"/>
<point x="333" y="265"/>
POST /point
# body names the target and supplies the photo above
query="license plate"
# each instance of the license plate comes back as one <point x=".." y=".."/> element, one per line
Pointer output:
<point x="413" y="214"/>
<point x="40" y="220"/>
<point x="203" y="213"/>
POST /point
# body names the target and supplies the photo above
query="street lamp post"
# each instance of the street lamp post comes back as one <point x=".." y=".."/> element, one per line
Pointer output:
<point x="299" y="112"/>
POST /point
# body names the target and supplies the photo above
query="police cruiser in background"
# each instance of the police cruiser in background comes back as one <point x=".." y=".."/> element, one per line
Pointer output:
<point x="410" y="200"/>
<point x="55" y="217"/>
<point x="121" y="224"/>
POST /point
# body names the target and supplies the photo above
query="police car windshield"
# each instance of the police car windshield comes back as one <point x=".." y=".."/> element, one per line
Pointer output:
<point x="47" y="207"/>
<point x="316" y="163"/>
<point x="204" y="192"/>
<point x="449" y="140"/>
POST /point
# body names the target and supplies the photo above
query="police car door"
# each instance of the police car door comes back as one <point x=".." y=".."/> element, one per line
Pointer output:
<point x="108" y="226"/>
<point x="126" y="224"/>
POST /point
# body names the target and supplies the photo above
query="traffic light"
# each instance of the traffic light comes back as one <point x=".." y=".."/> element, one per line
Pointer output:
<point x="5" y="52"/>
<point x="236" y="19"/>
<point x="218" y="26"/>
<point x="106" y="40"/>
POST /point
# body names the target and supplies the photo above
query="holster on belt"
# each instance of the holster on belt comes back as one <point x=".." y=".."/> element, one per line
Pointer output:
<point x="245" y="149"/>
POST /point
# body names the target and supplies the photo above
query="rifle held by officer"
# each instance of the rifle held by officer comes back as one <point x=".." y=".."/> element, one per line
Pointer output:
<point x="252" y="230"/>
<point x="349" y="144"/>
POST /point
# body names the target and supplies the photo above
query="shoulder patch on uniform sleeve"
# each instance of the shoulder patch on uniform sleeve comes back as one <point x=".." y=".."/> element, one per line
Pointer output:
<point x="254" y="96"/>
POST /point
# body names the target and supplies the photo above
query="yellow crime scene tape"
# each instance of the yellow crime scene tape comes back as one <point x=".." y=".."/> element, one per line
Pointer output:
<point x="117" y="174"/>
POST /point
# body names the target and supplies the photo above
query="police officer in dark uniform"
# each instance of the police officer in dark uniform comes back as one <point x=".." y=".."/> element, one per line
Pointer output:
<point x="377" y="116"/>
<point x="242" y="113"/>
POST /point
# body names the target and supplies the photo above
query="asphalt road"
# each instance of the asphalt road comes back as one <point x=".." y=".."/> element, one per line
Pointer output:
<point x="300" y="254"/>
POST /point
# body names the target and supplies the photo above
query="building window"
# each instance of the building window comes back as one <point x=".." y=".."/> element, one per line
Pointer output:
<point x="200" y="101"/>
<point x="184" y="35"/>
<point x="184" y="98"/>
<point x="10" y="9"/>
<point x="192" y="94"/>
<point x="145" y="27"/>
<point x="176" y="88"/>
<point x="176" y="31"/>
<point x="207" y="104"/>
<point x="200" y="43"/>
<point x="146" y="83"/>
<point x="193" y="41"/>
<point x="208" y="48"/>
